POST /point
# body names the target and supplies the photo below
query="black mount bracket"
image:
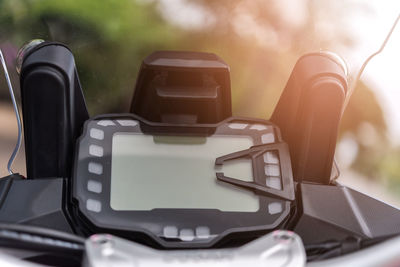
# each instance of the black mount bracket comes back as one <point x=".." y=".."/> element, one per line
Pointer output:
<point x="259" y="184"/>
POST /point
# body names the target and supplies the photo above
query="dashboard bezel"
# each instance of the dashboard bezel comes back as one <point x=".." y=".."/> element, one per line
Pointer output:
<point x="95" y="205"/>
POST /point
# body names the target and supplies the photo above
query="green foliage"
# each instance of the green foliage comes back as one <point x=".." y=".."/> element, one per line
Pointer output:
<point x="389" y="170"/>
<point x="108" y="38"/>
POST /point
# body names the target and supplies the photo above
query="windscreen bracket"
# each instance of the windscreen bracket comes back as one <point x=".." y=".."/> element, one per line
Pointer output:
<point x="272" y="172"/>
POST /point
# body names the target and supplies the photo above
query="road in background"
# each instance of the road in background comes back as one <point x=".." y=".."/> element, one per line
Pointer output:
<point x="8" y="139"/>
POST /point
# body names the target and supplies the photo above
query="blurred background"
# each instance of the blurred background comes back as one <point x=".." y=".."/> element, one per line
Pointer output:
<point x="260" y="40"/>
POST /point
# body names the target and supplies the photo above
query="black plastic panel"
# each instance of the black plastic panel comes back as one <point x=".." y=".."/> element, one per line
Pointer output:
<point x="54" y="110"/>
<point x="308" y="114"/>
<point x="183" y="87"/>
<point x="36" y="202"/>
<point x="336" y="212"/>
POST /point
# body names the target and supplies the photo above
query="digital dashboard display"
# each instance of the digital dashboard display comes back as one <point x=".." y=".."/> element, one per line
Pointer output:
<point x="177" y="172"/>
<point x="181" y="185"/>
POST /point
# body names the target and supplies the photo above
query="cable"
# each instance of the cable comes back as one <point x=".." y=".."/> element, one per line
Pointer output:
<point x="324" y="245"/>
<point x="38" y="238"/>
<point x="360" y="72"/>
<point x="14" y="102"/>
<point x="42" y="231"/>
<point x="334" y="248"/>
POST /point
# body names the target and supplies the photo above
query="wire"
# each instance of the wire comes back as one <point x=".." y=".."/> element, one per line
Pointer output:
<point x="14" y="102"/>
<point x="42" y="231"/>
<point x="43" y="246"/>
<point x="39" y="239"/>
<point x="326" y="255"/>
<point x="360" y="72"/>
<point x="373" y="241"/>
<point x="334" y="248"/>
<point x="319" y="246"/>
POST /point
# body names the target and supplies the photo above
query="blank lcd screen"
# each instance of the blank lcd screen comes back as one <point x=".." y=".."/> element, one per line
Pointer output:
<point x="174" y="172"/>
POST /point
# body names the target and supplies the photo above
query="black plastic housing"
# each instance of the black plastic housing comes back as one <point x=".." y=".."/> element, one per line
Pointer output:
<point x="308" y="114"/>
<point x="38" y="202"/>
<point x="337" y="212"/>
<point x="54" y="110"/>
<point x="183" y="87"/>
